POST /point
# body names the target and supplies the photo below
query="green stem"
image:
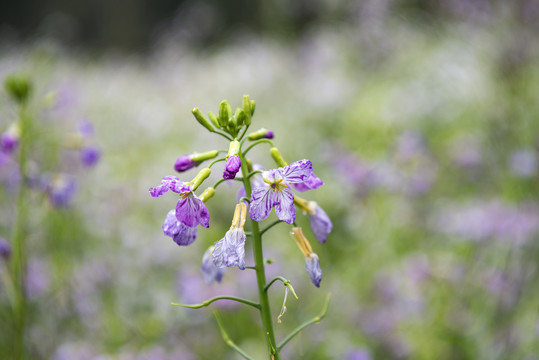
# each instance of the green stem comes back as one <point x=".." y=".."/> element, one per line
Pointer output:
<point x="227" y="340"/>
<point x="244" y="131"/>
<point x="19" y="256"/>
<point x="265" y="311"/>
<point x="254" y="144"/>
<point x="285" y="282"/>
<point x="223" y="135"/>
<point x="270" y="226"/>
<point x="303" y="326"/>
<point x="208" y="302"/>
<point x="216" y="161"/>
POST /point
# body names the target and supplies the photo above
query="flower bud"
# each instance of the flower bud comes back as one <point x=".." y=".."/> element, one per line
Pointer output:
<point x="239" y="118"/>
<point x="247" y="109"/>
<point x="225" y="113"/>
<point x="252" y="106"/>
<point x="199" y="157"/>
<point x="199" y="179"/>
<point x="277" y="157"/>
<point x="214" y="120"/>
<point x="202" y="120"/>
<point x="233" y="162"/>
<point x="184" y="163"/>
<point x="19" y="87"/>
<point x="260" y="134"/>
<point x="207" y="194"/>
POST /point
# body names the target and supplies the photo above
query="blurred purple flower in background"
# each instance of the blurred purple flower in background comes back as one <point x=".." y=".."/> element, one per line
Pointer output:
<point x="5" y="249"/>
<point x="210" y="272"/>
<point x="523" y="163"/>
<point x="60" y="189"/>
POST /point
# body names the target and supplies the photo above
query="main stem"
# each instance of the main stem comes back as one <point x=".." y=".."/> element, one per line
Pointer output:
<point x="265" y="311"/>
<point x="19" y="256"/>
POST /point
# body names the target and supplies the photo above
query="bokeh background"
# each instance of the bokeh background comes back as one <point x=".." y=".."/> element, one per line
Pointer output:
<point x="422" y="118"/>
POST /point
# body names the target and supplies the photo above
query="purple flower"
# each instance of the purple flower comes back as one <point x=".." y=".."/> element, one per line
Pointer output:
<point x="320" y="222"/>
<point x="313" y="182"/>
<point x="275" y="191"/>
<point x="90" y="155"/>
<point x="269" y="135"/>
<point x="190" y="210"/>
<point x="9" y="142"/>
<point x="86" y="128"/>
<point x="182" y="234"/>
<point x="210" y="272"/>
<point x="5" y="249"/>
<point x="312" y="264"/>
<point x="232" y="167"/>
<point x="229" y="251"/>
<point x="184" y="163"/>
<point x="60" y="190"/>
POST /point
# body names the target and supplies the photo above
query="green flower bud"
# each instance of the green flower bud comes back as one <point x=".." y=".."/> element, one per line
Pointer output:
<point x="199" y="157"/>
<point x="225" y="113"/>
<point x="247" y="109"/>
<point x="252" y="106"/>
<point x="202" y="120"/>
<point x="19" y="87"/>
<point x="260" y="134"/>
<point x="277" y="157"/>
<point x="207" y="194"/>
<point x="239" y="118"/>
<point x="213" y="119"/>
<point x="233" y="148"/>
<point x="199" y="179"/>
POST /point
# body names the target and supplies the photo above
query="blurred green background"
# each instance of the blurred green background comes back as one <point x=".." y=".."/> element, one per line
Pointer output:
<point x="420" y="116"/>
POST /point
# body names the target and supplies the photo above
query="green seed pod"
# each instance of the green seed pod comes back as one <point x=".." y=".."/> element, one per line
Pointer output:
<point x="199" y="179"/>
<point x="214" y="120"/>
<point x="225" y="113"/>
<point x="207" y="194"/>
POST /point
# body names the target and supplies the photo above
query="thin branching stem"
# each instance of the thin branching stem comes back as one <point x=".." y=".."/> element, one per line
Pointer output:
<point x="227" y="340"/>
<point x="270" y="226"/>
<point x="223" y="135"/>
<point x="285" y="282"/>
<point x="216" y="161"/>
<point x="252" y="173"/>
<point x="244" y="131"/>
<point x="208" y="302"/>
<point x="261" y="141"/>
<point x="304" y="325"/>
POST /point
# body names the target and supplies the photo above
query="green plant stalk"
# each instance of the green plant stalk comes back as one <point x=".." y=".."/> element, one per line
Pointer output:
<point x="18" y="239"/>
<point x="265" y="311"/>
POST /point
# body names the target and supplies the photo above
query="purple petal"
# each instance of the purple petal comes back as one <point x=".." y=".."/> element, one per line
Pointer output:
<point x="8" y="142"/>
<point x="184" y="163"/>
<point x="284" y="205"/>
<point x="298" y="171"/>
<point x="90" y="155"/>
<point x="191" y="211"/>
<point x="313" y="182"/>
<point x="5" y="249"/>
<point x="320" y="224"/>
<point x="182" y="234"/>
<point x="230" y="250"/>
<point x="261" y="203"/>
<point x="232" y="167"/>
<point x="169" y="183"/>
<point x="210" y="272"/>
<point x="312" y="264"/>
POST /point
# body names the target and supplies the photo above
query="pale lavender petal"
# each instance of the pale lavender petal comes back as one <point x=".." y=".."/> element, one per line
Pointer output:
<point x="210" y="272"/>
<point x="313" y="182"/>
<point x="284" y="205"/>
<point x="312" y="264"/>
<point x="261" y="203"/>
<point x="171" y="226"/>
<point x="298" y="171"/>
<point x="320" y="224"/>
<point x="191" y="211"/>
<point x="230" y="250"/>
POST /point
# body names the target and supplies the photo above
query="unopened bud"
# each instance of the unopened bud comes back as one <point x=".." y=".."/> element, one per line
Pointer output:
<point x="207" y="194"/>
<point x="277" y="157"/>
<point x="225" y="113"/>
<point x="202" y="119"/>
<point x="199" y="179"/>
<point x="19" y="87"/>
<point x="247" y="109"/>
<point x="214" y="120"/>
<point x="260" y="134"/>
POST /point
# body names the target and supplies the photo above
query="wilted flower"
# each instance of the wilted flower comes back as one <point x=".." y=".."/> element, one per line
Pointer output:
<point x="190" y="210"/>
<point x="312" y="263"/>
<point x="229" y="251"/>
<point x="210" y="272"/>
<point x="275" y="191"/>
<point x="320" y="222"/>
<point x="182" y="234"/>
